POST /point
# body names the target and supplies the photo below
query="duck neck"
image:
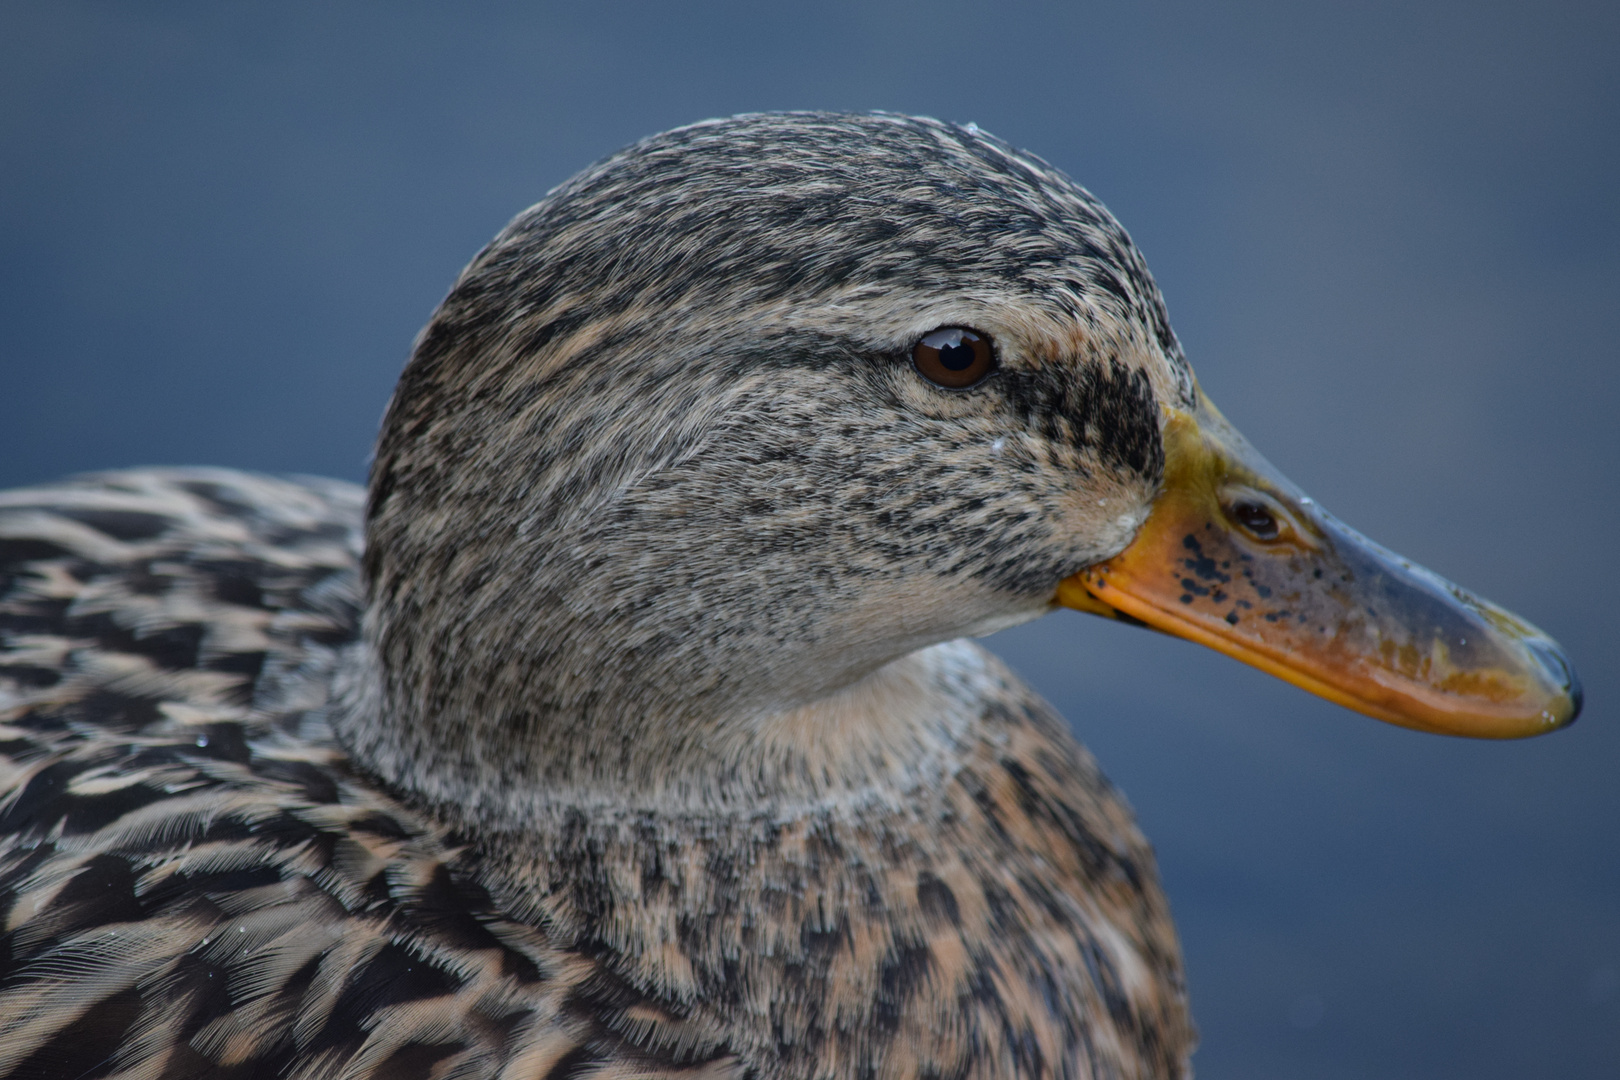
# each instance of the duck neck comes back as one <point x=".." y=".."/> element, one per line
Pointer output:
<point x="900" y="727"/>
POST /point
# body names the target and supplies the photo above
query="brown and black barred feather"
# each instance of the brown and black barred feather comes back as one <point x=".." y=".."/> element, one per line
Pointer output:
<point x="194" y="882"/>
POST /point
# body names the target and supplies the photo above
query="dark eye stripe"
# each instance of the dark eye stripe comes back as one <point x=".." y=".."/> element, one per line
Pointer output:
<point x="954" y="357"/>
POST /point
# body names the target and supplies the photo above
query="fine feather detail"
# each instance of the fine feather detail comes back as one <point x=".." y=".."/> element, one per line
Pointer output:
<point x="195" y="882"/>
<point x="632" y="740"/>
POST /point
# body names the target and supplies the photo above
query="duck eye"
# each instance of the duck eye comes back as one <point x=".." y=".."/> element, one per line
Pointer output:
<point x="954" y="357"/>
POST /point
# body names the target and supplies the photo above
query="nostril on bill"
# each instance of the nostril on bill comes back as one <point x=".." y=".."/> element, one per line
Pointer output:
<point x="1256" y="519"/>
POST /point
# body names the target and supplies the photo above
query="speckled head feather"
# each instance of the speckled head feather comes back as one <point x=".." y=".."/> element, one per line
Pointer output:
<point x="653" y="754"/>
<point x="661" y="466"/>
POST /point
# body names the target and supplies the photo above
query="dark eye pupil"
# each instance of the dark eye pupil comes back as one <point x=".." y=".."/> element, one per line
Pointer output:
<point x="1256" y="518"/>
<point x="954" y="357"/>
<point x="957" y="357"/>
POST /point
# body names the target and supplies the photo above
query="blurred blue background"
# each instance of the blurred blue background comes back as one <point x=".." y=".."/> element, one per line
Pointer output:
<point x="1389" y="235"/>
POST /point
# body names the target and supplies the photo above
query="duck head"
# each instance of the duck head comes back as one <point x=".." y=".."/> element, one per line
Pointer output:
<point x="734" y="423"/>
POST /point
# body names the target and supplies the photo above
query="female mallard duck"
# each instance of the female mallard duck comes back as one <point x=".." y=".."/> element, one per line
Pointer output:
<point x="638" y="738"/>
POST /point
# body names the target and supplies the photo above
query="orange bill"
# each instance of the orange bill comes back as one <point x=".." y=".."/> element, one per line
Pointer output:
<point x="1235" y="557"/>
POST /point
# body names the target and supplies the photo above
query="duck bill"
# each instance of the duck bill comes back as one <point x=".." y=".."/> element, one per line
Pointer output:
<point x="1235" y="557"/>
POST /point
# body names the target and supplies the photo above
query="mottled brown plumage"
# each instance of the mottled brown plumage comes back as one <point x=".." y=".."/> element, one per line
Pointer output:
<point x="640" y="740"/>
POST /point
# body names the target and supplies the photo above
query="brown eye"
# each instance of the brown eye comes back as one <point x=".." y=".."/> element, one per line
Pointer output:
<point x="954" y="357"/>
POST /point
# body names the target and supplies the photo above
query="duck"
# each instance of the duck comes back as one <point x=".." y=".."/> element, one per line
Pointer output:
<point x="629" y="723"/>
